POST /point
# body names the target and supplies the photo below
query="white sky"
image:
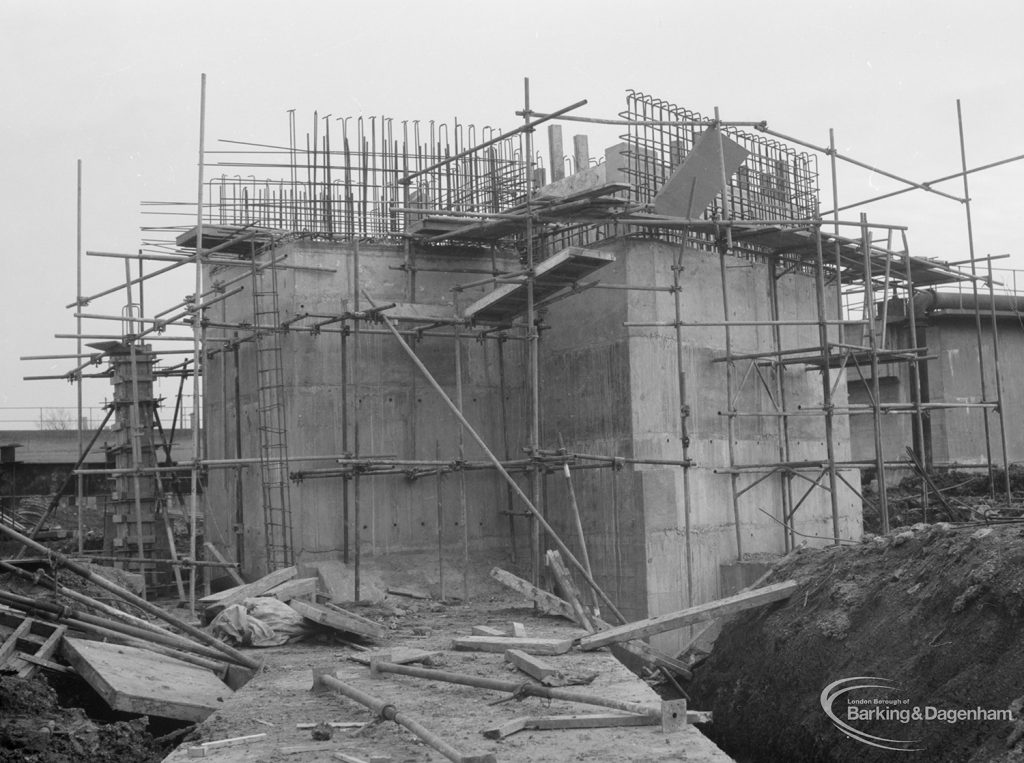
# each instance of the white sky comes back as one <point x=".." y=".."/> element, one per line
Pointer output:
<point x="116" y="84"/>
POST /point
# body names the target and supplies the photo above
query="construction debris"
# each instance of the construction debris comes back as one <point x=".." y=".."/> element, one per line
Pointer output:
<point x="204" y="749"/>
<point x="139" y="681"/>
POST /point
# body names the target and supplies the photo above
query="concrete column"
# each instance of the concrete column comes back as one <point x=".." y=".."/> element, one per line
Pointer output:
<point x="581" y="150"/>
<point x="556" y="154"/>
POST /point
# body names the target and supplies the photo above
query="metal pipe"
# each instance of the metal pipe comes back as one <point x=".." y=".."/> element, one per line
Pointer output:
<point x="974" y="289"/>
<point x="999" y="387"/>
<point x="518" y="688"/>
<point x="61" y="560"/>
<point x="389" y="712"/>
<point x="196" y="350"/>
<point x="80" y="479"/>
<point x="869" y="309"/>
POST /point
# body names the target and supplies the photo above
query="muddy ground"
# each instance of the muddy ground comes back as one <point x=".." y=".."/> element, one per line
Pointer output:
<point x="936" y="612"/>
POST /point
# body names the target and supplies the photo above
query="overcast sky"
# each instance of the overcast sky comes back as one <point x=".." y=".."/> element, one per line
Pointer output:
<point x="116" y="84"/>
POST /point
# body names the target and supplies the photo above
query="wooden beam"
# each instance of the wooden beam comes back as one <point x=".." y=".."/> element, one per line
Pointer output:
<point x="682" y="618"/>
<point x="202" y="750"/>
<point x="338" y="619"/>
<point x="584" y="721"/>
<point x="232" y="571"/>
<point x="238" y="594"/>
<point x="400" y="655"/>
<point x="296" y="588"/>
<point x="569" y="590"/>
<point x="9" y="648"/>
<point x="548" y="602"/>
<point x="43" y="654"/>
<point x="501" y="644"/>
<point x="533" y="667"/>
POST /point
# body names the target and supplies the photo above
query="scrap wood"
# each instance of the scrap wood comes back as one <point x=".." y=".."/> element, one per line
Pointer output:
<point x="218" y="601"/>
<point x="568" y="588"/>
<point x="9" y="646"/>
<point x="487" y="630"/>
<point x="332" y="724"/>
<point x="139" y="681"/>
<point x="232" y="569"/>
<point x="401" y="655"/>
<point x="201" y="751"/>
<point x="549" y="646"/>
<point x="325" y="680"/>
<point x="590" y="721"/>
<point x="535" y="668"/>
<point x="682" y="618"/>
<point x="548" y="602"/>
<point x="297" y="588"/>
<point x="408" y="593"/>
<point x="41" y="656"/>
<point x="338" y="619"/>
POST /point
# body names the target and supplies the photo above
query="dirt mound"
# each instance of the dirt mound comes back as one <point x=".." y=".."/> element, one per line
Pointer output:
<point x="932" y="616"/>
<point x="34" y="728"/>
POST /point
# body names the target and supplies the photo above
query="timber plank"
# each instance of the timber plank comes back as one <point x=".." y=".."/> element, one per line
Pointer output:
<point x="139" y="681"/>
<point x="8" y="649"/>
<point x="682" y="618"/>
<point x="43" y="653"/>
<point x="338" y="618"/>
<point x="238" y="594"/>
<point x="584" y="721"/>
<point x="399" y="655"/>
<point x="533" y="667"/>
<point x="293" y="589"/>
<point x="546" y="601"/>
<point x="548" y="646"/>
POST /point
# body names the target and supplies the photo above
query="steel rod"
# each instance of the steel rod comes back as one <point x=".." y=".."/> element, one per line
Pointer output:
<point x="519" y="688"/>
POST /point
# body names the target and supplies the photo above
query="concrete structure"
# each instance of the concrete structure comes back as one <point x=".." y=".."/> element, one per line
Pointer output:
<point x="946" y="325"/>
<point x="605" y="388"/>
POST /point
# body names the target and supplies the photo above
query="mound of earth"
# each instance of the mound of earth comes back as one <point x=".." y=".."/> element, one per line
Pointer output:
<point x="927" y="622"/>
<point x="33" y="727"/>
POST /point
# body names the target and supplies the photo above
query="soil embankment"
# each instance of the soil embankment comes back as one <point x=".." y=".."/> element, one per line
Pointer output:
<point x="934" y="612"/>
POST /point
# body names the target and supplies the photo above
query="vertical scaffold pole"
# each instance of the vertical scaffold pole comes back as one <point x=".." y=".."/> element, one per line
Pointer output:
<point x="196" y="350"/>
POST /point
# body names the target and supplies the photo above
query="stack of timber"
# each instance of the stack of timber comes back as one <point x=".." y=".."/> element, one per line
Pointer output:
<point x="301" y="595"/>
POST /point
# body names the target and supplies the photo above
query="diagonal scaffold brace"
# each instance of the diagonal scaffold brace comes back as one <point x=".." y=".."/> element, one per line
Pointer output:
<point x="497" y="464"/>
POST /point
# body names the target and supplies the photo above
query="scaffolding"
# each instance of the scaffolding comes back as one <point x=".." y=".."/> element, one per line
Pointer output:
<point x="429" y="186"/>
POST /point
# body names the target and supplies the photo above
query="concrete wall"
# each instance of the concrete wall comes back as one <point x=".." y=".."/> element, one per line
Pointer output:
<point x="639" y="370"/>
<point x="397" y="413"/>
<point x="957" y="436"/>
<point x="606" y="389"/>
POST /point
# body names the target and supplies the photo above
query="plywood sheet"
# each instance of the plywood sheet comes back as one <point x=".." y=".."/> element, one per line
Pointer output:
<point x="136" y="680"/>
<point x="698" y="180"/>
